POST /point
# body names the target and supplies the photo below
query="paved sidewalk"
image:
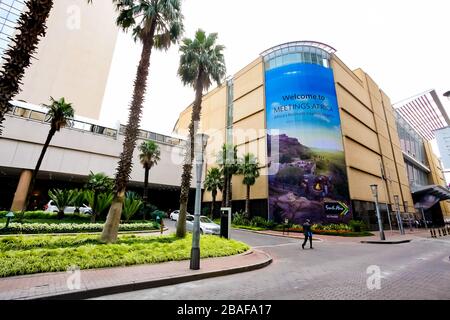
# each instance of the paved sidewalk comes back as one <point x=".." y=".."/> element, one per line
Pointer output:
<point x="98" y="282"/>
<point x="390" y="236"/>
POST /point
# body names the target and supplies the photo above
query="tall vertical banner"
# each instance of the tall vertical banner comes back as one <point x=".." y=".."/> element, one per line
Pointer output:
<point x="307" y="172"/>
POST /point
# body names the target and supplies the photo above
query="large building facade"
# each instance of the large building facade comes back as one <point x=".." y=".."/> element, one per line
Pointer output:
<point x="322" y="133"/>
<point x="73" y="60"/>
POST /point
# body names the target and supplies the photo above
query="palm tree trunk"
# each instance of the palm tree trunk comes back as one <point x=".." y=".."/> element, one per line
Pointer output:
<point x="224" y="191"/>
<point x="187" y="167"/>
<point x="60" y="215"/>
<point x="229" y="190"/>
<point x="145" y="195"/>
<point x="50" y="135"/>
<point x="94" y="209"/>
<point x="30" y="27"/>
<point x="124" y="168"/>
<point x="247" y="202"/>
<point x="213" y="204"/>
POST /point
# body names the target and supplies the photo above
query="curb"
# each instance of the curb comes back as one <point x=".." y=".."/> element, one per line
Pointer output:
<point x="386" y="241"/>
<point x="97" y="292"/>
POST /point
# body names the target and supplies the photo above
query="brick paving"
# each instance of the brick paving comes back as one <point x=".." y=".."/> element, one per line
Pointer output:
<point x="334" y="270"/>
<point x="50" y="284"/>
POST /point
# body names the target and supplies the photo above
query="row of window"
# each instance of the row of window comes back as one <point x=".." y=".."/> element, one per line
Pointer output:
<point x="416" y="176"/>
<point x="10" y="11"/>
<point x="410" y="142"/>
<point x="297" y="54"/>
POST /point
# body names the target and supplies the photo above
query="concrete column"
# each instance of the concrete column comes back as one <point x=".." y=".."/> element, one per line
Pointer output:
<point x="22" y="190"/>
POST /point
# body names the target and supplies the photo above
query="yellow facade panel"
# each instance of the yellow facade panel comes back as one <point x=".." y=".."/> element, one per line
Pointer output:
<point x="257" y="147"/>
<point x="390" y="169"/>
<point x="360" y="157"/>
<point x="382" y="127"/>
<point x="258" y="191"/>
<point x="249" y="80"/>
<point x="386" y="148"/>
<point x="359" y="185"/>
<point x="357" y="131"/>
<point x="374" y="89"/>
<point x="356" y="108"/>
<point x="248" y="104"/>
<point x="346" y="78"/>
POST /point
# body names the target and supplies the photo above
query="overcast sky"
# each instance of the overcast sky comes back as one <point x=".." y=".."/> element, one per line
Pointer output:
<point x="402" y="44"/>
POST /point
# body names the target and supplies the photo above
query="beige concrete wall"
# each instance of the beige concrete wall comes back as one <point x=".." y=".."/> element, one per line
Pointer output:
<point x="369" y="132"/>
<point x="76" y="152"/>
<point x="370" y="137"/>
<point x="74" y="58"/>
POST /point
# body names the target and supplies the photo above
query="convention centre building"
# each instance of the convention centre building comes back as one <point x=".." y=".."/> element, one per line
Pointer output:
<point x="323" y="136"/>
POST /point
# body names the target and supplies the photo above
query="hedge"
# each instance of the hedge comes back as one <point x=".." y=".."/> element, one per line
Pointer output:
<point x="32" y="228"/>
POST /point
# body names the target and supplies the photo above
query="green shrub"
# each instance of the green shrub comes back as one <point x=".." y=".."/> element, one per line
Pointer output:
<point x="158" y="213"/>
<point x="131" y="205"/>
<point x="36" y="254"/>
<point x="357" y="226"/>
<point x="239" y="219"/>
<point x="31" y="228"/>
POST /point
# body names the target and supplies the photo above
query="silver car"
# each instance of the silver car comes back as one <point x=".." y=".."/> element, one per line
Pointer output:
<point x="207" y="226"/>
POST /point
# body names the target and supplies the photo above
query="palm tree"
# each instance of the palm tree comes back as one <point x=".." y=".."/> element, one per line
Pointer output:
<point x="150" y="155"/>
<point x="62" y="199"/>
<point x="227" y="160"/>
<point x="201" y="62"/>
<point x="31" y="27"/>
<point x="249" y="168"/>
<point x="213" y="183"/>
<point x="59" y="115"/>
<point x="156" y="24"/>
<point x="98" y="183"/>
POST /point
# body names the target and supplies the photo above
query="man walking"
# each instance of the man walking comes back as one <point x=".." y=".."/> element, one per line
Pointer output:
<point x="308" y="234"/>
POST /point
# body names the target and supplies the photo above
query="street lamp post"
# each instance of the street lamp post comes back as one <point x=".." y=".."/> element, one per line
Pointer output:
<point x="374" y="188"/>
<point x="399" y="217"/>
<point x="423" y="217"/>
<point x="405" y="205"/>
<point x="200" y="142"/>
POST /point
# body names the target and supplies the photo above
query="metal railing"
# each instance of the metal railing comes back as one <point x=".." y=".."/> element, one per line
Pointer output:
<point x="40" y="116"/>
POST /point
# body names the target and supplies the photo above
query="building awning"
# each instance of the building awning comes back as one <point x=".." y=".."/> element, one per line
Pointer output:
<point x="438" y="191"/>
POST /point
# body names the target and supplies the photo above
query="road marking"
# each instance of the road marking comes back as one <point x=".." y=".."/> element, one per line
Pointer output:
<point x="278" y="245"/>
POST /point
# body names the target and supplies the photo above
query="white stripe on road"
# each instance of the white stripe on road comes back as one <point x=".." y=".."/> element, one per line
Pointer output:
<point x="279" y="245"/>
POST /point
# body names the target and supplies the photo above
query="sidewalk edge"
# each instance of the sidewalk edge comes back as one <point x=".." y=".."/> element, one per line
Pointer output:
<point x="97" y="292"/>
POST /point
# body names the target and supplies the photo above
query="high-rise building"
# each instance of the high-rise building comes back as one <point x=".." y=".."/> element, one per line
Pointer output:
<point x="424" y="112"/>
<point x="10" y="11"/>
<point x="73" y="60"/>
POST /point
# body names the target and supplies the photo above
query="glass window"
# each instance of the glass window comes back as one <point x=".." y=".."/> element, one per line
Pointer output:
<point x="39" y="116"/>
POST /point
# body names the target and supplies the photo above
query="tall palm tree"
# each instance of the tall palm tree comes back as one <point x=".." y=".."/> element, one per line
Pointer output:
<point x="227" y="160"/>
<point x="156" y="24"/>
<point x="201" y="63"/>
<point x="150" y="155"/>
<point x="30" y="28"/>
<point x="60" y="113"/>
<point x="213" y="183"/>
<point x="98" y="183"/>
<point x="249" y="168"/>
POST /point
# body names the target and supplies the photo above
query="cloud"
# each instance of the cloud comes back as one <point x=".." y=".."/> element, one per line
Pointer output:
<point x="322" y="117"/>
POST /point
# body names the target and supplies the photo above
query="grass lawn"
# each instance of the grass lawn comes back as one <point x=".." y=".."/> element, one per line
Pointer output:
<point x="21" y="255"/>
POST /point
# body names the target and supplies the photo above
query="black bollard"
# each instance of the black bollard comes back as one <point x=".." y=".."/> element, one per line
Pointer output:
<point x="439" y="230"/>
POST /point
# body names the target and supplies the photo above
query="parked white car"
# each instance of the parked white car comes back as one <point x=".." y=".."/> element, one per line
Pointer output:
<point x="50" y="207"/>
<point x="207" y="226"/>
<point x="174" y="215"/>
